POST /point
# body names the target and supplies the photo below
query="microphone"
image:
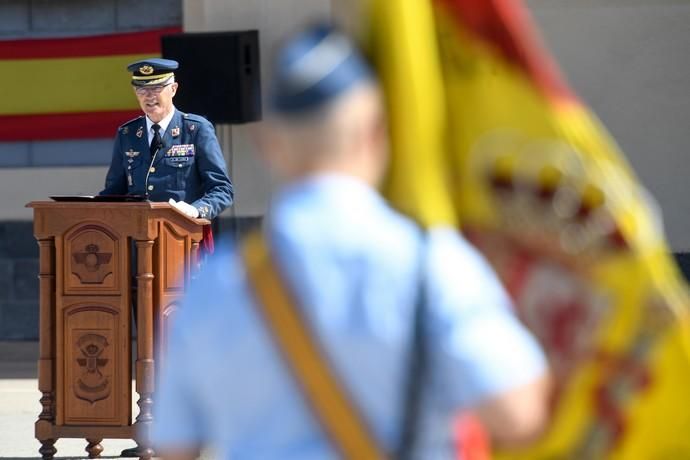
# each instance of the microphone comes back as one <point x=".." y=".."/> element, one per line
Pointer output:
<point x="155" y="148"/>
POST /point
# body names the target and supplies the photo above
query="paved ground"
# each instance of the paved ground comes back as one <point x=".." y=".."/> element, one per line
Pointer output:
<point x="19" y="409"/>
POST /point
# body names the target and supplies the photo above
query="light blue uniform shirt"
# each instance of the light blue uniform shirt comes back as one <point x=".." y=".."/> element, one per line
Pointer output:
<point x="353" y="264"/>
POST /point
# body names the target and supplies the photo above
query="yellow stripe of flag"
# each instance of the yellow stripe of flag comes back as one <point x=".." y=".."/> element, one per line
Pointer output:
<point x="64" y="85"/>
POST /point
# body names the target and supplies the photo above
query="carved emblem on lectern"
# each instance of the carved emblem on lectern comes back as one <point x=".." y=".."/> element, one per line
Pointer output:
<point x="91" y="260"/>
<point x="92" y="385"/>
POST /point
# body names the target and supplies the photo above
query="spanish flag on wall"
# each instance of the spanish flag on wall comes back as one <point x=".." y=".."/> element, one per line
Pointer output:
<point x="70" y="88"/>
<point x="486" y="134"/>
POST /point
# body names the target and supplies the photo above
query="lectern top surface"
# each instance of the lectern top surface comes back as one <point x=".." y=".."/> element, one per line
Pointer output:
<point x="100" y="198"/>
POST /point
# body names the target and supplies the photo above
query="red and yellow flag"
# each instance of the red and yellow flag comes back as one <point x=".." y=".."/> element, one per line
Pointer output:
<point x="485" y="132"/>
<point x="70" y="88"/>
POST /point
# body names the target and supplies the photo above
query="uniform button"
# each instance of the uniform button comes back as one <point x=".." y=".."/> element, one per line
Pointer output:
<point x="129" y="167"/>
<point x="150" y="187"/>
<point x="179" y="166"/>
<point x="152" y="169"/>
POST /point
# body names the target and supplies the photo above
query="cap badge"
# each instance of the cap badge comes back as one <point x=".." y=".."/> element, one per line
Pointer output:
<point x="146" y="70"/>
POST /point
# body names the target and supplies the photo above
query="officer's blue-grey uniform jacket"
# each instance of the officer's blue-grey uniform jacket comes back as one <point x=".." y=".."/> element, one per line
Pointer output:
<point x="189" y="166"/>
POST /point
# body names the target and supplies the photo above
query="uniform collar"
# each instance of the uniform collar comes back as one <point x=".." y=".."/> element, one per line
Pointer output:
<point x="163" y="123"/>
<point x="330" y="186"/>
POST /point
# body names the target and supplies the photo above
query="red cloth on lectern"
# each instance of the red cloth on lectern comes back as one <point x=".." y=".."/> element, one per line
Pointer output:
<point x="206" y="244"/>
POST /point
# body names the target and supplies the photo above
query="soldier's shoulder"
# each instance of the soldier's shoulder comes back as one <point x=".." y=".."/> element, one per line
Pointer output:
<point x="124" y="127"/>
<point x="194" y="118"/>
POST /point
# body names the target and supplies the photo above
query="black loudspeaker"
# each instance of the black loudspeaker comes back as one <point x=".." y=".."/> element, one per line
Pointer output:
<point x="219" y="74"/>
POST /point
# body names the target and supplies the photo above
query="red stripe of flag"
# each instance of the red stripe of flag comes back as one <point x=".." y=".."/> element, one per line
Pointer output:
<point x="61" y="126"/>
<point x="508" y="27"/>
<point x="96" y="45"/>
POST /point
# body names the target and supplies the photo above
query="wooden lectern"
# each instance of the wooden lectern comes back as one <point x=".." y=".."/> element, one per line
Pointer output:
<point x="84" y="370"/>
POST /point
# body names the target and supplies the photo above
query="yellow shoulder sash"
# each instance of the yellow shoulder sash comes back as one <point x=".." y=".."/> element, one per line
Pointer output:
<point x="329" y="402"/>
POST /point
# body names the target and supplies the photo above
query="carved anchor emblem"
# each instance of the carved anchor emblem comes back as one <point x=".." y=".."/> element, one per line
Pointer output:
<point x="92" y="385"/>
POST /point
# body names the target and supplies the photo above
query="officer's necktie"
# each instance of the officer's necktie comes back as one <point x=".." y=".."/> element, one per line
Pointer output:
<point x="156" y="142"/>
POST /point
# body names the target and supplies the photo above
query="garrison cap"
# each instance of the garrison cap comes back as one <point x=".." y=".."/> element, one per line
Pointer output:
<point x="314" y="67"/>
<point x="153" y="71"/>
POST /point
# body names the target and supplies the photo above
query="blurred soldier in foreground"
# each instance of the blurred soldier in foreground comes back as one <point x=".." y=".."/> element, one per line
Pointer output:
<point x="362" y="278"/>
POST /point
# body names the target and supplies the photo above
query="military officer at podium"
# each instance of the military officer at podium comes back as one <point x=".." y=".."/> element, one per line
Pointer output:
<point x="165" y="154"/>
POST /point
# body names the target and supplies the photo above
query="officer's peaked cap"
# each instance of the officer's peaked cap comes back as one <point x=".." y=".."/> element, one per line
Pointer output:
<point x="152" y="71"/>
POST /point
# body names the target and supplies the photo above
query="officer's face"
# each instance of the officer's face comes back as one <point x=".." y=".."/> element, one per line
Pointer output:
<point x="156" y="101"/>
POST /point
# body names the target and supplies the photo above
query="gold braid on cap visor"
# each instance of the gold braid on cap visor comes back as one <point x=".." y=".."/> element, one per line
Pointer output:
<point x="153" y="79"/>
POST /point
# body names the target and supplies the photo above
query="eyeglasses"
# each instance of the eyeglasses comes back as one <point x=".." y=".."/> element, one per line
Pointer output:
<point x="143" y="90"/>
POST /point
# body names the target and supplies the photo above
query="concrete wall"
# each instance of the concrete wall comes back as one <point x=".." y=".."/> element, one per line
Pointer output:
<point x="50" y="18"/>
<point x="18" y="281"/>
<point x="628" y="59"/>
<point x="273" y="19"/>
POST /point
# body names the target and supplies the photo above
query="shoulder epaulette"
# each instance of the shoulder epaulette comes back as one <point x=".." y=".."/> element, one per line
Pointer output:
<point x="129" y="122"/>
<point x="193" y="117"/>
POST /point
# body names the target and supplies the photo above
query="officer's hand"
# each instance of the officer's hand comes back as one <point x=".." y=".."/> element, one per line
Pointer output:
<point x="186" y="208"/>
